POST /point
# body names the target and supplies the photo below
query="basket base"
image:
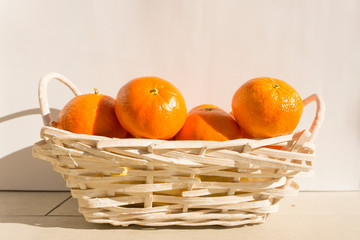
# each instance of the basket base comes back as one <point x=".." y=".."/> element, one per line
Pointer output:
<point x="154" y="217"/>
<point x="257" y="220"/>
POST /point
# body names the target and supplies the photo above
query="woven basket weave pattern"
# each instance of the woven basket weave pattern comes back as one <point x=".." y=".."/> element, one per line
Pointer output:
<point x="161" y="183"/>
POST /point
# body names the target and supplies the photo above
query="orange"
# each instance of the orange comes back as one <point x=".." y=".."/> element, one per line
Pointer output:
<point x="205" y="105"/>
<point x="129" y="135"/>
<point x="267" y="107"/>
<point x="92" y="114"/>
<point x="209" y="124"/>
<point x="232" y="114"/>
<point x="150" y="107"/>
<point x="243" y="133"/>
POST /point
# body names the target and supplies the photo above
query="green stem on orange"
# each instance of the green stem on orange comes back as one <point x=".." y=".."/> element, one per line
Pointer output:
<point x="276" y="86"/>
<point x="154" y="91"/>
<point x="96" y="91"/>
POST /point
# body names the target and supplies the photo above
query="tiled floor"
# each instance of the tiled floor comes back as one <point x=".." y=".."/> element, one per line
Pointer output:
<point x="54" y="215"/>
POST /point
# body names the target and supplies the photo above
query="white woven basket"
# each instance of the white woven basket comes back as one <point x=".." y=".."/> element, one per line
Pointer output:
<point x="161" y="183"/>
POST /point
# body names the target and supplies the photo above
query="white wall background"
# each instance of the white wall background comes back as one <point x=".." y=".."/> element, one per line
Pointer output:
<point x="206" y="48"/>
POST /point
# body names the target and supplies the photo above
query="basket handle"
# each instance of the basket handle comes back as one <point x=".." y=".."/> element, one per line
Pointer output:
<point x="43" y="98"/>
<point x="320" y="114"/>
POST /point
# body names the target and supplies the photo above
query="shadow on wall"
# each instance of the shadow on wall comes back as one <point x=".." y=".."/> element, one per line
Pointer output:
<point x="33" y="111"/>
<point x="20" y="171"/>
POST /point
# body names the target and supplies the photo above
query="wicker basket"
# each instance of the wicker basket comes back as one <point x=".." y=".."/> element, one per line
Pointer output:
<point x="161" y="183"/>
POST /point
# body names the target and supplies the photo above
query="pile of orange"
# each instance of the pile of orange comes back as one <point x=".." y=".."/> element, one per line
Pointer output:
<point x="151" y="107"/>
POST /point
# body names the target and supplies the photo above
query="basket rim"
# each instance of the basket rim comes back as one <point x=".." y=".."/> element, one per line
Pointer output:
<point x="105" y="142"/>
<point x="186" y="153"/>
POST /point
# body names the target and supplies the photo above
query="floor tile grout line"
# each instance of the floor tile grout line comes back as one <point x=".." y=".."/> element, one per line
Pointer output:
<point x="58" y="206"/>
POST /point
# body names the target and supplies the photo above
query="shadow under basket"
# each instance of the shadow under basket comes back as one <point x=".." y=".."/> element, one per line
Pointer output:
<point x="153" y="182"/>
